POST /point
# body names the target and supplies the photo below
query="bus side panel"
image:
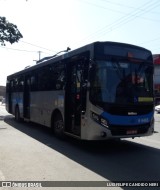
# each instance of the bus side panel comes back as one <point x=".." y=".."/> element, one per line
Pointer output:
<point x="15" y="99"/>
<point x="20" y="103"/>
<point x="42" y="105"/>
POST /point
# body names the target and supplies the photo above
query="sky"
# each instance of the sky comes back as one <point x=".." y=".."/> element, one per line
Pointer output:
<point x="50" y="26"/>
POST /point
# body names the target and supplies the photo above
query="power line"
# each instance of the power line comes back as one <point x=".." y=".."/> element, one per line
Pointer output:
<point x="99" y="6"/>
<point x="117" y="11"/>
<point x="37" y="46"/>
<point x="132" y="17"/>
<point x="23" y="50"/>
<point x="123" y="20"/>
<point x="29" y="51"/>
<point x="124" y="5"/>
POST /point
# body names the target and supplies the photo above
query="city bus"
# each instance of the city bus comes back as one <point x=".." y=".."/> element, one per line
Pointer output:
<point x="103" y="90"/>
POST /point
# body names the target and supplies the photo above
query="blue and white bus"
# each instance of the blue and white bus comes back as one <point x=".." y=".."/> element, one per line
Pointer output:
<point x="101" y="91"/>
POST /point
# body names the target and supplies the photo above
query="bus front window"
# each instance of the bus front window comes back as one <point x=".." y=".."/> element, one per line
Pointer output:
<point x="121" y="82"/>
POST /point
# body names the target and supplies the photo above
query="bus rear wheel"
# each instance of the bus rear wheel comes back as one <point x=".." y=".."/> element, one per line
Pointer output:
<point x="58" y="126"/>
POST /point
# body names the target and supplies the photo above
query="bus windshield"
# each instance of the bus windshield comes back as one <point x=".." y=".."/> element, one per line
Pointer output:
<point x="121" y="82"/>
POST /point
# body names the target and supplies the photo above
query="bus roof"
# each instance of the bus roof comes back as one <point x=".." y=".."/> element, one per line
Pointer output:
<point x="89" y="47"/>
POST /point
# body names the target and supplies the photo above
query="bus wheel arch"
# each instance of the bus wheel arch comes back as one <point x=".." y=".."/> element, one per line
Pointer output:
<point x="57" y="123"/>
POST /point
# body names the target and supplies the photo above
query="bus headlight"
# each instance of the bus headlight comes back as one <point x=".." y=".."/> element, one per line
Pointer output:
<point x="104" y="122"/>
<point x="99" y="119"/>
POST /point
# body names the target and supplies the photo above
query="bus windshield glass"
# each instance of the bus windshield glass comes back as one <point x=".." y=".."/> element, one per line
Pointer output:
<point x="121" y="82"/>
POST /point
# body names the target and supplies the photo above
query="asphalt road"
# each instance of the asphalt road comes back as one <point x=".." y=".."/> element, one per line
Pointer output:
<point x="29" y="152"/>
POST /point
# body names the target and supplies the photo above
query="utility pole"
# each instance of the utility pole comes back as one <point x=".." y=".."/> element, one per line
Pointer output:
<point x="39" y="55"/>
<point x="39" y="52"/>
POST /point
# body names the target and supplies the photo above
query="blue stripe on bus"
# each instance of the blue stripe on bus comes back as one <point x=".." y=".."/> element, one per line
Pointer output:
<point x="127" y="120"/>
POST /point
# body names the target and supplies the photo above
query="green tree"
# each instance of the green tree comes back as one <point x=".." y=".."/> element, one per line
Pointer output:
<point x="8" y="32"/>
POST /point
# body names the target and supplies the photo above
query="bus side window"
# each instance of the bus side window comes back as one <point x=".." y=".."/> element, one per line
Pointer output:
<point x="58" y="76"/>
<point x="51" y="77"/>
<point x="15" y="85"/>
<point x="20" y="84"/>
<point x="60" y="81"/>
<point x="43" y="79"/>
<point x="33" y="83"/>
<point x="11" y="82"/>
<point x="8" y="86"/>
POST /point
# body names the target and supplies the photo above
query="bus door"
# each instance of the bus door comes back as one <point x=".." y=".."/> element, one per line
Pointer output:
<point x="75" y="98"/>
<point x="26" y="98"/>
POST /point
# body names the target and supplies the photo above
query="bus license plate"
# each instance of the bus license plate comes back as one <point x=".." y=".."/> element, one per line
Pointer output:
<point x="131" y="132"/>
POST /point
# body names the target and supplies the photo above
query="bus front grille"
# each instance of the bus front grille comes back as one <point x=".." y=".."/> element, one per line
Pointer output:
<point x="117" y="130"/>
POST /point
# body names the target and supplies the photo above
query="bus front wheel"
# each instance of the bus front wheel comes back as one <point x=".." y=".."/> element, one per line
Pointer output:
<point x="58" y="127"/>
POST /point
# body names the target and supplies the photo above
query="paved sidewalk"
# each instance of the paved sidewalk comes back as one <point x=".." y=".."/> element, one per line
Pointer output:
<point x="3" y="111"/>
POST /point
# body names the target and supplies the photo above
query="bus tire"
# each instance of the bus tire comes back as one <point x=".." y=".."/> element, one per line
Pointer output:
<point x="17" y="114"/>
<point x="58" y="126"/>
